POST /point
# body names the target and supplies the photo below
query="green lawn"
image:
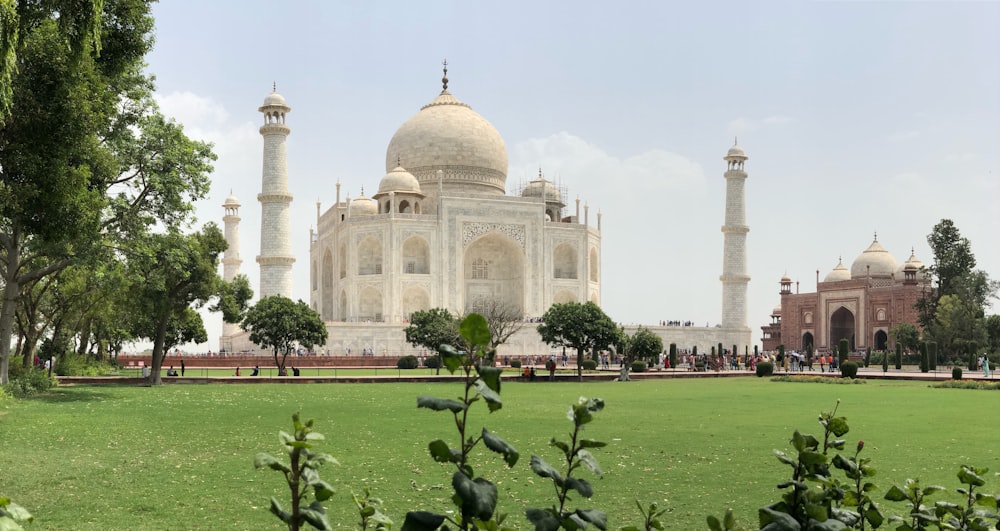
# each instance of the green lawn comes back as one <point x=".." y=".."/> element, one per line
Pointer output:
<point x="180" y="456"/>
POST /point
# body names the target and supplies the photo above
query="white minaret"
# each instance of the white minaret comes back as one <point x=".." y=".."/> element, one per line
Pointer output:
<point x="231" y="260"/>
<point x="275" y="257"/>
<point x="734" y="245"/>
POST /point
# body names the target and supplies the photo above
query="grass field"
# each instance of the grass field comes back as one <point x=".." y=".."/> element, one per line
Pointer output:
<point x="180" y="456"/>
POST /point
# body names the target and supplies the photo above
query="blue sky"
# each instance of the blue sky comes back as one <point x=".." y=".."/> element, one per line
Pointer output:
<point x="857" y="116"/>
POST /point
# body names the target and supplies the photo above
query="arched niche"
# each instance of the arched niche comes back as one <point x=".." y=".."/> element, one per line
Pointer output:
<point x="370" y="256"/>
<point x="564" y="260"/>
<point x="416" y="256"/>
<point x="493" y="269"/>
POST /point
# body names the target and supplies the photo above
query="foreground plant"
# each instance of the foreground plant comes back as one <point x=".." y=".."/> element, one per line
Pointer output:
<point x="475" y="496"/>
<point x="302" y="475"/>
<point x="576" y="454"/>
<point x="369" y="511"/>
<point x="11" y="514"/>
<point x="947" y="515"/>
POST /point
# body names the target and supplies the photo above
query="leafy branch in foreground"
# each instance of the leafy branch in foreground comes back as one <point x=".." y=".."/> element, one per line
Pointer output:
<point x="576" y="454"/>
<point x="302" y="474"/>
<point x="368" y="509"/>
<point x="12" y="513"/>
<point x="475" y="497"/>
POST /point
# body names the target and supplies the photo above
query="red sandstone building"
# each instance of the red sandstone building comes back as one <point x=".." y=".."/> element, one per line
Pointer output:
<point x="861" y="304"/>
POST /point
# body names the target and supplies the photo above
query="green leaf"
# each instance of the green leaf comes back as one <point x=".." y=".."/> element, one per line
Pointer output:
<point x="560" y="445"/>
<point x="479" y="496"/>
<point x="422" y="521"/>
<point x="593" y="516"/>
<point x="895" y="494"/>
<point x="874" y="517"/>
<point x="543" y="519"/>
<point x="322" y="490"/>
<point x="713" y="523"/>
<point x="729" y="521"/>
<point x="441" y="453"/>
<point x="969" y="477"/>
<point x="491" y="376"/>
<point x="590" y="443"/>
<point x="262" y="460"/>
<point x="589" y="461"/>
<point x="440" y="404"/>
<point x="492" y="399"/>
<point x="773" y="520"/>
<point x="798" y="441"/>
<point x="14" y="511"/>
<point x="811" y="458"/>
<point x="580" y="485"/>
<point x="932" y="489"/>
<point x="315" y="514"/>
<point x="838" y="426"/>
<point x="543" y="469"/>
<point x="451" y="358"/>
<point x="475" y="330"/>
<point x="498" y="445"/>
<point x="783" y="457"/>
<point x="276" y="510"/>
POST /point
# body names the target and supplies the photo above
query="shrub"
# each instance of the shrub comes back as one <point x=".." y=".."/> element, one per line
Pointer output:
<point x="590" y="365"/>
<point x="956" y="373"/>
<point x="638" y="366"/>
<point x="407" y="362"/>
<point x="849" y="369"/>
<point x="765" y="368"/>
<point x="24" y="383"/>
<point x="433" y="362"/>
<point x="932" y="357"/>
<point x="842" y="348"/>
<point x="673" y="355"/>
<point x="924" y="360"/>
<point x="973" y="362"/>
<point x="516" y="364"/>
<point x="899" y="356"/>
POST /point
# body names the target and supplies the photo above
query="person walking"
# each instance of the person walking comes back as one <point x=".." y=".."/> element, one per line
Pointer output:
<point x="182" y="368"/>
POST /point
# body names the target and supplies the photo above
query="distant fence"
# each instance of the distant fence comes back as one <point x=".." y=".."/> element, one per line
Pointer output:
<point x="263" y="360"/>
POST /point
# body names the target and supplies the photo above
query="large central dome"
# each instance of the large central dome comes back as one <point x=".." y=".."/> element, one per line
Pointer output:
<point x="447" y="135"/>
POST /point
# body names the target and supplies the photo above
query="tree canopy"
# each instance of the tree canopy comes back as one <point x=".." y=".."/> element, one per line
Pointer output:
<point x="432" y="328"/>
<point x="952" y="311"/>
<point x="279" y="324"/>
<point x="578" y="326"/>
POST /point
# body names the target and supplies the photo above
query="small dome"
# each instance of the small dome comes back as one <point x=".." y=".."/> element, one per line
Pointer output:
<point x="785" y="278"/>
<point x="839" y="273"/>
<point x="911" y="263"/>
<point x="736" y="151"/>
<point x="543" y="188"/>
<point x="231" y="201"/>
<point x="362" y="206"/>
<point x="776" y="310"/>
<point x="400" y="181"/>
<point x="275" y="99"/>
<point x="875" y="261"/>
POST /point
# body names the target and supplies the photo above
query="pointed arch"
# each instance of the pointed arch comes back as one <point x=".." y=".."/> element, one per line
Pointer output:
<point x="842" y="327"/>
<point x="595" y="265"/>
<point x="564" y="296"/>
<point x="370" y="305"/>
<point x="564" y="260"/>
<point x="416" y="256"/>
<point x="493" y="268"/>
<point x="415" y="299"/>
<point x="326" y="295"/>
<point x="342" y="258"/>
<point x="370" y="256"/>
<point x="343" y="306"/>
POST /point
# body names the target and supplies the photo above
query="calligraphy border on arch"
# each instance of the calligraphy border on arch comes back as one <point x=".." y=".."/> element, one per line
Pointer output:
<point x="472" y="230"/>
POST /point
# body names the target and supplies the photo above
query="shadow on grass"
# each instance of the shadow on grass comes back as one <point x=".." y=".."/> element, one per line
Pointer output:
<point x="71" y="394"/>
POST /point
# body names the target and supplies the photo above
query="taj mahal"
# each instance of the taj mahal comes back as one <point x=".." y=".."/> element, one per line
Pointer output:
<point x="440" y="230"/>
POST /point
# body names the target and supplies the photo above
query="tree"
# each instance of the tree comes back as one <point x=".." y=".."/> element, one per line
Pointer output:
<point x="578" y="326"/>
<point x="953" y="274"/>
<point x="642" y="345"/>
<point x="279" y="324"/>
<point x="503" y="320"/>
<point x="993" y="332"/>
<point x="906" y="335"/>
<point x="170" y="274"/>
<point x="432" y="328"/>
<point x="86" y="159"/>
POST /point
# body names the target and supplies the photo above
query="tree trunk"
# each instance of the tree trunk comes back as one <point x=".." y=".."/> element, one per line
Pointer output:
<point x="157" y="361"/>
<point x="579" y="363"/>
<point x="12" y="289"/>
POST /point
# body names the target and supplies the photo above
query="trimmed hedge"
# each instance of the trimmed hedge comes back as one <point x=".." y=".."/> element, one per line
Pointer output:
<point x="515" y="364"/>
<point x="590" y="365"/>
<point x="407" y="362"/>
<point x="765" y="368"/>
<point x="956" y="373"/>
<point x="433" y="362"/>
<point x="638" y="366"/>
<point x="849" y="369"/>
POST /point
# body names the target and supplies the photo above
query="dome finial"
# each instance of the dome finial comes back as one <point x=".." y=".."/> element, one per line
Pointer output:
<point x="362" y="190"/>
<point x="876" y="235"/>
<point x="398" y="160"/>
<point x="736" y="140"/>
<point x="274" y="86"/>
<point x="540" y="172"/>
<point x="444" y="80"/>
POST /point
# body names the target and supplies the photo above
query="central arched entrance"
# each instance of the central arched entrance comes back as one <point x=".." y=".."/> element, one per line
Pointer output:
<point x="494" y="273"/>
<point x="881" y="340"/>
<point x="807" y="341"/>
<point x="841" y="327"/>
